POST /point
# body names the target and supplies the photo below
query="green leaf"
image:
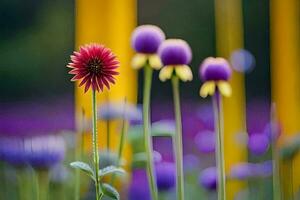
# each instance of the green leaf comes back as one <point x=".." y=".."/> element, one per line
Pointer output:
<point x="84" y="167"/>
<point x="110" y="170"/>
<point x="110" y="191"/>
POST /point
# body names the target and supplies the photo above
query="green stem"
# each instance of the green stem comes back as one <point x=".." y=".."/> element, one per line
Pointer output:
<point x="95" y="146"/>
<point x="42" y="184"/>
<point x="24" y="187"/>
<point x="219" y="133"/>
<point x="276" y="173"/>
<point x="147" y="132"/>
<point x="178" y="140"/>
<point x="108" y="135"/>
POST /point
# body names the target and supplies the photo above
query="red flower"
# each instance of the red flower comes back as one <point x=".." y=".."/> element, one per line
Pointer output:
<point x="95" y="65"/>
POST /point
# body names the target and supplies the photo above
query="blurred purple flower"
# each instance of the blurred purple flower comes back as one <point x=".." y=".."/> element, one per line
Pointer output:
<point x="208" y="178"/>
<point x="272" y="131"/>
<point x="243" y="171"/>
<point x="191" y="162"/>
<point x="119" y="110"/>
<point x="43" y="152"/>
<point x="165" y="175"/>
<point x="138" y="188"/>
<point x="205" y="141"/>
<point x="258" y="143"/>
<point x="12" y="151"/>
<point x="147" y="38"/>
<point x="242" y="60"/>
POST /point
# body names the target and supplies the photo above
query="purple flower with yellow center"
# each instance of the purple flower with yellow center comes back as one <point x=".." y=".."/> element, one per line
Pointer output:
<point x="258" y="143"/>
<point x="165" y="176"/>
<point x="44" y="152"/>
<point x="208" y="178"/>
<point x="145" y="41"/>
<point x="175" y="55"/>
<point x="215" y="72"/>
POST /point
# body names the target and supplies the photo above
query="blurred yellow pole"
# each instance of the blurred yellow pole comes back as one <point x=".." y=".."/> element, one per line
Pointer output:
<point x="285" y="68"/>
<point x="229" y="37"/>
<point x="109" y="22"/>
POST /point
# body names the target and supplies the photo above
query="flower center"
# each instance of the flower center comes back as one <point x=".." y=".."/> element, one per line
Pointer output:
<point x="95" y="66"/>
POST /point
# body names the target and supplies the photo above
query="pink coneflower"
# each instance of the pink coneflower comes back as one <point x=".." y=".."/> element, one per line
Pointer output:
<point x="95" y="65"/>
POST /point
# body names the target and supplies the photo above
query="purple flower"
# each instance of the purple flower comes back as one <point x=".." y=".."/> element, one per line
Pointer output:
<point x="215" y="69"/>
<point x="43" y="152"/>
<point x="175" y="52"/>
<point x="258" y="144"/>
<point x="165" y="175"/>
<point x="13" y="152"/>
<point x="175" y="55"/>
<point x="243" y="171"/>
<point x="208" y="178"/>
<point x="205" y="141"/>
<point x="272" y="131"/>
<point x="138" y="188"/>
<point x="191" y="162"/>
<point x="242" y="60"/>
<point x="147" y="38"/>
<point x="119" y="110"/>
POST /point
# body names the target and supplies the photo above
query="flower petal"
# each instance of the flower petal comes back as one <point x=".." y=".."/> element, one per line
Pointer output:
<point x="155" y="62"/>
<point x="138" y="61"/>
<point x="166" y="72"/>
<point x="208" y="88"/>
<point x="184" y="73"/>
<point x="224" y="88"/>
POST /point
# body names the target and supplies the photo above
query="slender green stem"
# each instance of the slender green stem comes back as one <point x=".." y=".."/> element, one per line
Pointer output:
<point x="95" y="146"/>
<point x="23" y="184"/>
<point x="42" y="184"/>
<point x="276" y="173"/>
<point x="147" y="132"/>
<point x="107" y="129"/>
<point x="219" y="132"/>
<point x="178" y="140"/>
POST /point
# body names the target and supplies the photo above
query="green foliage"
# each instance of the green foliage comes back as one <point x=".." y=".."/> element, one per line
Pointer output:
<point x="84" y="167"/>
<point x="110" y="191"/>
<point x="110" y="170"/>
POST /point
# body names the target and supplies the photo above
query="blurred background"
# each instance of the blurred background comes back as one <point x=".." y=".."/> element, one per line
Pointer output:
<point x="259" y="38"/>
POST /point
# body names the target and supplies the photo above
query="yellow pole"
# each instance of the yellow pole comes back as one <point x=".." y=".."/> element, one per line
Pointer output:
<point x="229" y="37"/>
<point x="285" y="67"/>
<point x="109" y="22"/>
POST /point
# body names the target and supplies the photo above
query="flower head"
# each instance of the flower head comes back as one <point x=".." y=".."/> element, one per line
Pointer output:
<point x="208" y="178"/>
<point x="242" y="171"/>
<point x="145" y="41"/>
<point x="138" y="188"/>
<point x="258" y="143"/>
<point x="44" y="152"/>
<point x="95" y="65"/>
<point x="119" y="110"/>
<point x="175" y="55"/>
<point x="215" y="72"/>
<point x="12" y="151"/>
<point x="165" y="175"/>
<point x="205" y="141"/>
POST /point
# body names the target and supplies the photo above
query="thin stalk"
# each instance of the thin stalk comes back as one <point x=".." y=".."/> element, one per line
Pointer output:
<point x="107" y="129"/>
<point x="95" y="147"/>
<point x="23" y="184"/>
<point x="219" y="132"/>
<point x="42" y="184"/>
<point x="178" y="140"/>
<point x="147" y="132"/>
